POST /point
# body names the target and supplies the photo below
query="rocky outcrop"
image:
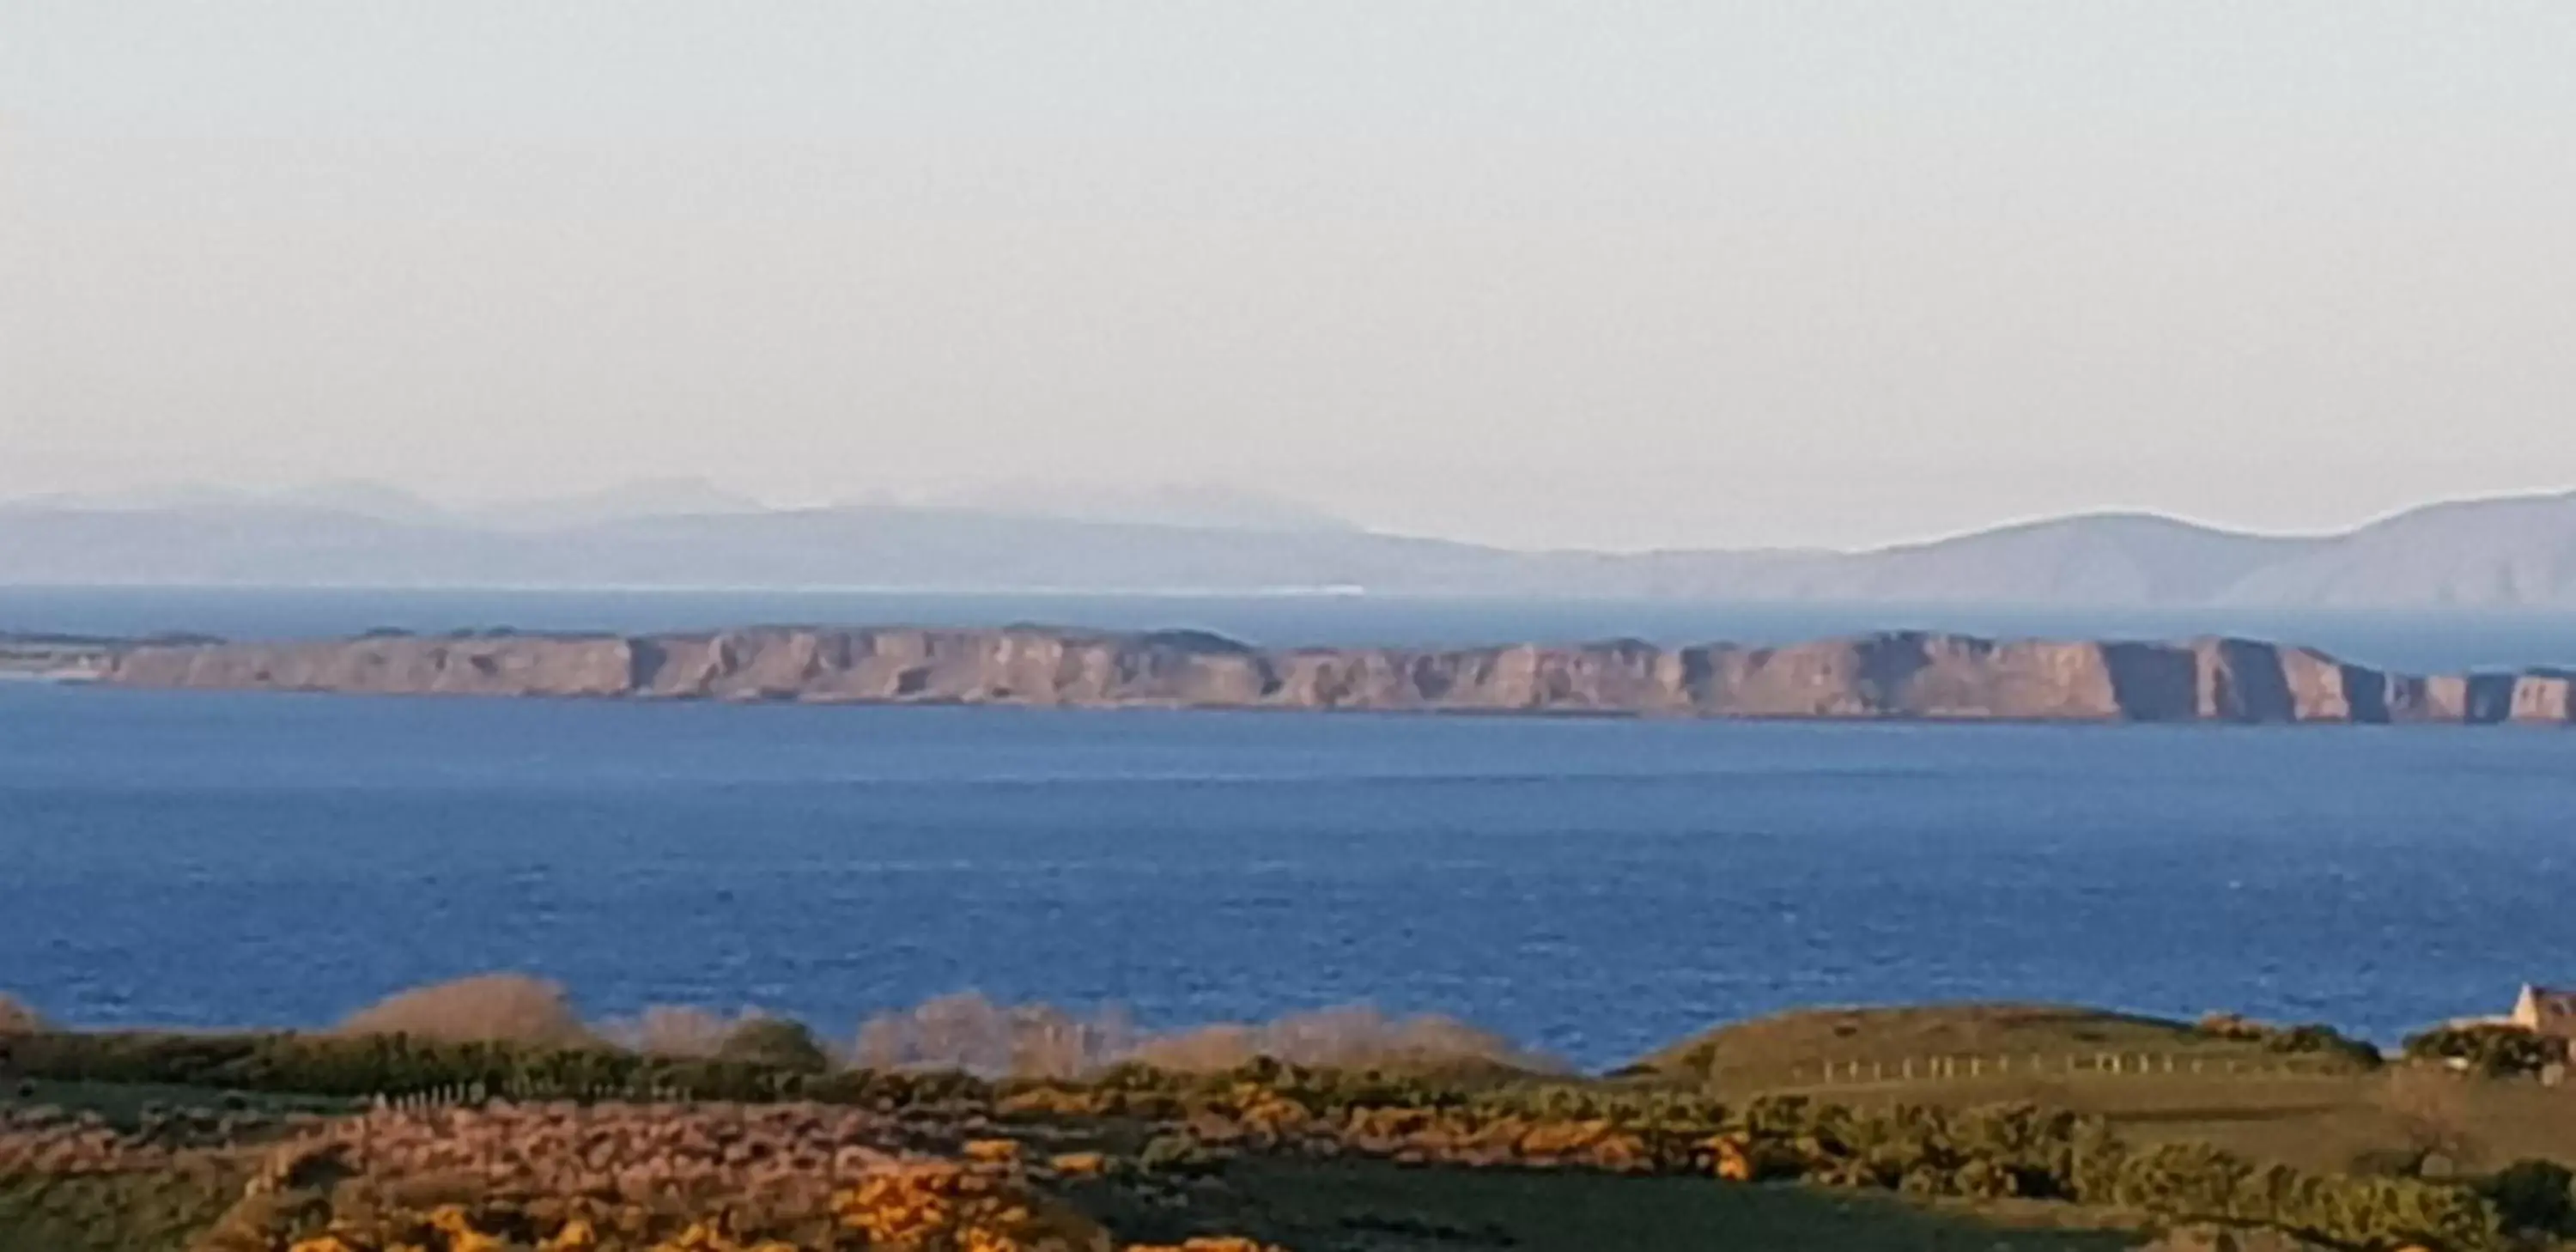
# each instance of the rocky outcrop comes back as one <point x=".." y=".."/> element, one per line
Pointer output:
<point x="1902" y="675"/>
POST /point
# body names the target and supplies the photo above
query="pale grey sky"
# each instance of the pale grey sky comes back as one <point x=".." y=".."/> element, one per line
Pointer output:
<point x="1589" y="273"/>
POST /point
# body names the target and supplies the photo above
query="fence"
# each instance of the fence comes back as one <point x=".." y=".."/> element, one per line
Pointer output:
<point x="2033" y="1065"/>
<point x="475" y="1095"/>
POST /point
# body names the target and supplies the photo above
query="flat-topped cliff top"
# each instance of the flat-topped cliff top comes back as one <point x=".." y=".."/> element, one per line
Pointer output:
<point x="1897" y="674"/>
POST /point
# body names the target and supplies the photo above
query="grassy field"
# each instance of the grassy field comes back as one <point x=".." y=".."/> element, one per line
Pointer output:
<point x="1793" y="1048"/>
<point x="159" y="1212"/>
<point x="124" y="1104"/>
<point x="1368" y="1207"/>
<point x="2309" y="1111"/>
<point x="1338" y="1207"/>
<point x="2321" y="1111"/>
<point x="2324" y="1122"/>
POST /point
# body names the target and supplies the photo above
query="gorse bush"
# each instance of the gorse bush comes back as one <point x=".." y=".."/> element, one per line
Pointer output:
<point x="1437" y="1119"/>
<point x="486" y="1008"/>
<point x="2491" y="1051"/>
<point x="1331" y="1084"/>
<point x="776" y="1043"/>
<point x="2430" y="1107"/>
<point x="2309" y="1039"/>
<point x="678" y="1033"/>
<point x="370" y="1065"/>
<point x="2534" y="1196"/>
<point x="1343" y="1038"/>
<point x="2198" y="1182"/>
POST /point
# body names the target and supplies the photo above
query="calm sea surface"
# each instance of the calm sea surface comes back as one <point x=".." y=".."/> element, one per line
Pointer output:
<point x="1594" y="887"/>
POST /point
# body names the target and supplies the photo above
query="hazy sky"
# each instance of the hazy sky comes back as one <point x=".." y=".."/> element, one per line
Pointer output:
<point x="1584" y="273"/>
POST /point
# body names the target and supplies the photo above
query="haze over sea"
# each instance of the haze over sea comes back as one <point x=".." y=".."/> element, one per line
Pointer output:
<point x="1595" y="887"/>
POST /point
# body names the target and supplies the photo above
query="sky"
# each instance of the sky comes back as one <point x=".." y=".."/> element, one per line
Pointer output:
<point x="1595" y="273"/>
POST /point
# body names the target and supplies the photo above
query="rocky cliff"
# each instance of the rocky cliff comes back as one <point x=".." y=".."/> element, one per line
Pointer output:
<point x="1904" y="675"/>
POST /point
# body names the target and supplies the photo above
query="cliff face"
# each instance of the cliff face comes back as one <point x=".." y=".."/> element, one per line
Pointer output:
<point x="1877" y="676"/>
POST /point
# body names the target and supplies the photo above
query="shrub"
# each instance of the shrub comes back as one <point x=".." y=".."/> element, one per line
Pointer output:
<point x="2496" y="1051"/>
<point x="487" y="1008"/>
<point x="1355" y="1038"/>
<point x="2309" y="1039"/>
<point x="666" y="1030"/>
<point x="17" y="1019"/>
<point x="774" y="1042"/>
<point x="2196" y="1182"/>
<point x="1033" y="1041"/>
<point x="2313" y="1039"/>
<point x="2431" y="1109"/>
<point x="2534" y="1196"/>
<point x="2232" y="1026"/>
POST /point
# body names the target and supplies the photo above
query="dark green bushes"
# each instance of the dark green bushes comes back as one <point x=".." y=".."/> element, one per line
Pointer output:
<point x="1977" y="1153"/>
<point x="2308" y="1039"/>
<point x="1981" y="1153"/>
<point x="2198" y="1182"/>
<point x="2534" y="1196"/>
<point x="2018" y="1150"/>
<point x="369" y="1065"/>
<point x="2493" y="1051"/>
<point x="777" y="1043"/>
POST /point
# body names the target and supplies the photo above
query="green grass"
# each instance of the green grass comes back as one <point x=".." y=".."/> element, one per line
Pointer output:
<point x="160" y="1211"/>
<point x="156" y="1212"/>
<point x="122" y="1104"/>
<point x="2328" y="1119"/>
<point x="2316" y="1112"/>
<point x="1791" y="1048"/>
<point x="1350" y="1206"/>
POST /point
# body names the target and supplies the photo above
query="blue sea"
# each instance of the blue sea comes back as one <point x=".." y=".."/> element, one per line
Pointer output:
<point x="1592" y="887"/>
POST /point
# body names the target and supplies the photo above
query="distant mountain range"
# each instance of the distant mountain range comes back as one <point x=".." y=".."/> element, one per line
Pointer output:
<point x="2486" y="554"/>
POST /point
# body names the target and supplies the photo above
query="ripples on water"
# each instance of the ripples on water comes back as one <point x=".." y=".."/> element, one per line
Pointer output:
<point x="1595" y="887"/>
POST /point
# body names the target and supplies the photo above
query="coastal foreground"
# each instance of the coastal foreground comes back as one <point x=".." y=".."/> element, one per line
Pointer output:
<point x="1902" y="675"/>
<point x="482" y="1116"/>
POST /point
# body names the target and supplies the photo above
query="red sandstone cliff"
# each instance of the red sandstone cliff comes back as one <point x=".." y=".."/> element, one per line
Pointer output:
<point x="1908" y="675"/>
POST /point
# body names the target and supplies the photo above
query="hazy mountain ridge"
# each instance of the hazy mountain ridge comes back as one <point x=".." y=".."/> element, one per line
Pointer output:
<point x="1912" y="675"/>
<point x="2506" y="553"/>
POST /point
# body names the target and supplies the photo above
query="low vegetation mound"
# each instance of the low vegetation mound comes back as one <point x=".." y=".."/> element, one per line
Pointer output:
<point x="486" y="1008"/>
<point x="975" y="1035"/>
<point x="500" y="1121"/>
<point x="1804" y="1037"/>
<point x="17" y="1019"/>
<point x="2491" y="1051"/>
